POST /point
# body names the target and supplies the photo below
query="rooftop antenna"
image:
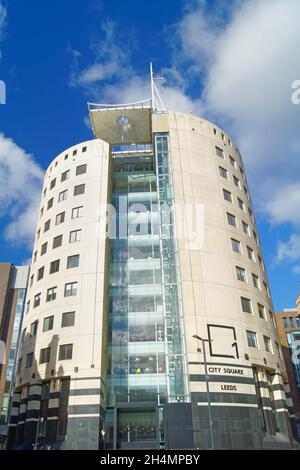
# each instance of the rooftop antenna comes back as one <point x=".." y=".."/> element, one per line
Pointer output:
<point x="156" y="99"/>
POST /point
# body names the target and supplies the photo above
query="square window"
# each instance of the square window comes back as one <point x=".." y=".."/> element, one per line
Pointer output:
<point x="250" y="253"/>
<point x="75" y="236"/>
<point x="44" y="249"/>
<point x="255" y="280"/>
<point x="241" y="274"/>
<point x="219" y="152"/>
<point x="236" y="245"/>
<point x="246" y="305"/>
<point x="63" y="196"/>
<point x="40" y="273"/>
<point x="252" y="339"/>
<point x="77" y="212"/>
<point x="57" y="241"/>
<point x="231" y="219"/>
<point x="37" y="300"/>
<point x="236" y="181"/>
<point x="74" y="153"/>
<point x="68" y="319"/>
<point x="29" y="360"/>
<point x="73" y="262"/>
<point x="48" y="323"/>
<point x="80" y="170"/>
<point x="232" y="161"/>
<point x="65" y="352"/>
<point x="53" y="183"/>
<point x="51" y="294"/>
<point x="71" y="289"/>
<point x="84" y="149"/>
<point x="80" y="189"/>
<point x="47" y="226"/>
<point x="65" y="176"/>
<point x="261" y="311"/>
<point x="54" y="266"/>
<point x="223" y="172"/>
<point x="241" y="204"/>
<point x="60" y="218"/>
<point x="227" y="195"/>
<point x="45" y="355"/>
<point x="33" y="329"/>
<point x="245" y="228"/>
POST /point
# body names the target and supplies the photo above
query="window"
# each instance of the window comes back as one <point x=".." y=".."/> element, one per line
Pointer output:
<point x="80" y="189"/>
<point x="75" y="236"/>
<point x="241" y="204"/>
<point x="84" y="149"/>
<point x="65" y="176"/>
<point x="246" y="305"/>
<point x="57" y="241"/>
<point x="236" y="181"/>
<point x="227" y="195"/>
<point x="268" y="344"/>
<point x="48" y="323"/>
<point x="53" y="183"/>
<point x="45" y="355"/>
<point x="241" y="274"/>
<point x="45" y="192"/>
<point x="38" y="234"/>
<point x="285" y="322"/>
<point x="73" y="262"/>
<point x="40" y="273"/>
<point x="62" y="196"/>
<point x="28" y="306"/>
<point x="37" y="300"/>
<point x="278" y="348"/>
<point x="232" y="161"/>
<point x="297" y="322"/>
<point x="44" y="249"/>
<point x="77" y="212"/>
<point x="292" y="322"/>
<point x="34" y="256"/>
<point x="245" y="228"/>
<point x="50" y="203"/>
<point x="47" y="226"/>
<point x="65" y="352"/>
<point x="252" y="339"/>
<point x="29" y="360"/>
<point x="255" y="236"/>
<point x="236" y="245"/>
<point x="219" y="152"/>
<point x="231" y="219"/>
<point x="261" y="262"/>
<point x="80" y="170"/>
<point x="60" y="218"/>
<point x="223" y="172"/>
<point x="66" y="157"/>
<point x="74" y="153"/>
<point x="51" y="294"/>
<point x="266" y="289"/>
<point x="246" y="192"/>
<point x="33" y="329"/>
<point x="261" y="311"/>
<point x="71" y="289"/>
<point x="250" y="253"/>
<point x="54" y="266"/>
<point x="68" y="319"/>
<point x="255" y="280"/>
<point x="272" y="319"/>
<point x="31" y="280"/>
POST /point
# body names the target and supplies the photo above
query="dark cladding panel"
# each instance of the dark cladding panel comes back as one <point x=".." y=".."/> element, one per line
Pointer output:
<point x="178" y="426"/>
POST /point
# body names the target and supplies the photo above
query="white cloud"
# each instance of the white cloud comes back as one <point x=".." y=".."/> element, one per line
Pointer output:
<point x="289" y="250"/>
<point x="20" y="186"/>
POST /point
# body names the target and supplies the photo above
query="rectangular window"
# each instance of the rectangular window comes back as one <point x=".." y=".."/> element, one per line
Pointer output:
<point x="268" y="344"/>
<point x="272" y="319"/>
<point x="68" y="319"/>
<point x="246" y="305"/>
<point x="84" y="149"/>
<point x="297" y="322"/>
<point x="255" y="281"/>
<point x="40" y="273"/>
<point x="65" y="176"/>
<point x="236" y="245"/>
<point x="37" y="300"/>
<point x="80" y="170"/>
<point x="60" y="218"/>
<point x="38" y="234"/>
<point x="47" y="226"/>
<point x="241" y="274"/>
<point x="241" y="204"/>
<point x="54" y="266"/>
<point x="232" y="161"/>
<point x="73" y="262"/>
<point x="219" y="152"/>
<point x="34" y="256"/>
<point x="227" y="195"/>
<point x="77" y="212"/>
<point x="63" y="196"/>
<point x="48" y="323"/>
<point x="45" y="355"/>
<point x="28" y="306"/>
<point x="33" y="329"/>
<point x="74" y="153"/>
<point x="57" y="241"/>
<point x="250" y="253"/>
<point x="50" y="203"/>
<point x="44" y="249"/>
<point x="53" y="183"/>
<point x="31" y="280"/>
<point x="292" y="322"/>
<point x="236" y="181"/>
<point x="51" y="294"/>
<point x="261" y="311"/>
<point x="80" y="189"/>
<point x="285" y="322"/>
<point x="245" y="228"/>
<point x="231" y="219"/>
<point x="71" y="289"/>
<point x="75" y="236"/>
<point x="65" y="352"/>
<point x="223" y="172"/>
<point x="29" y="360"/>
<point x="252" y="339"/>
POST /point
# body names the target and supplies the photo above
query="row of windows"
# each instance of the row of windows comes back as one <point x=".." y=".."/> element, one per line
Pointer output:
<point x="252" y="341"/>
<point x="67" y="320"/>
<point x="220" y="153"/>
<point x="80" y="170"/>
<point x="70" y="290"/>
<point x="227" y="195"/>
<point x="247" y="308"/>
<point x="237" y="248"/>
<point x="72" y="262"/>
<point x="291" y="322"/>
<point x="241" y="275"/>
<point x="233" y="221"/>
<point x="65" y="353"/>
<point x="66" y="157"/>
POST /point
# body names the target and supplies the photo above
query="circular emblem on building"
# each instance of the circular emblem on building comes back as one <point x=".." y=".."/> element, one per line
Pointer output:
<point x="123" y="121"/>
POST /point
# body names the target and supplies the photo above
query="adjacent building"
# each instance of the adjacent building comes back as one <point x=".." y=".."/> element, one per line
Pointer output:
<point x="146" y="241"/>
<point x="13" y="285"/>
<point x="288" y="323"/>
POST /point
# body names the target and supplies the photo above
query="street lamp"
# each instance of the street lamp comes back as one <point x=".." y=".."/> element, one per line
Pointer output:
<point x="35" y="445"/>
<point x="207" y="388"/>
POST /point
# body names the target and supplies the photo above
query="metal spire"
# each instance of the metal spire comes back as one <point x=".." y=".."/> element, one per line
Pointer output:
<point x="156" y="99"/>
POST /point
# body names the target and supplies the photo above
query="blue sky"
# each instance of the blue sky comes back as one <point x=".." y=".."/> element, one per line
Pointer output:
<point x="233" y="62"/>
